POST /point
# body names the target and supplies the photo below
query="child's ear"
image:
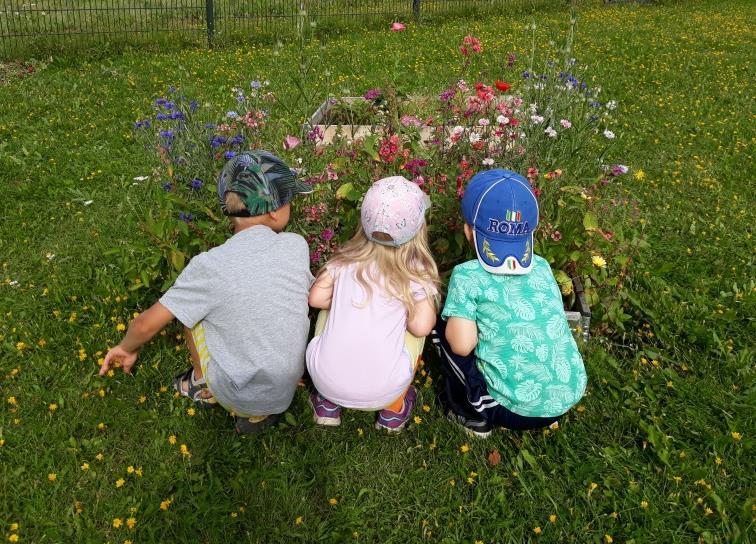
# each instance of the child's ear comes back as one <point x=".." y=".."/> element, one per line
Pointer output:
<point x="468" y="233"/>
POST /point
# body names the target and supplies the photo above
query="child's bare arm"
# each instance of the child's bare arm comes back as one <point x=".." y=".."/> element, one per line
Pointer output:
<point x="423" y="319"/>
<point x="321" y="291"/>
<point x="141" y="329"/>
<point x="462" y="335"/>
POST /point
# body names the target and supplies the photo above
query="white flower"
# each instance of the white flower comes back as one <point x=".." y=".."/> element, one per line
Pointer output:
<point x="50" y="256"/>
<point x="474" y="138"/>
<point x="87" y="202"/>
<point x="536" y="119"/>
<point x="141" y="178"/>
<point x="232" y="114"/>
<point x="502" y="119"/>
<point x="608" y="134"/>
<point x="484" y="122"/>
<point x="611" y="104"/>
<point x="550" y="132"/>
<point x="565" y="123"/>
<point x="488" y="161"/>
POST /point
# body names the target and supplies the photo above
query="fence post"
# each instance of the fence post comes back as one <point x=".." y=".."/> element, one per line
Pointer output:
<point x="416" y="9"/>
<point x="210" y="19"/>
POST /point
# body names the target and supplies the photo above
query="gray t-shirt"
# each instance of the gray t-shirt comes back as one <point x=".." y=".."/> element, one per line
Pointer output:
<point x="251" y="295"/>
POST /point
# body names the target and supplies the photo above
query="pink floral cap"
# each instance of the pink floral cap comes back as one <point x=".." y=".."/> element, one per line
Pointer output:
<point x="393" y="206"/>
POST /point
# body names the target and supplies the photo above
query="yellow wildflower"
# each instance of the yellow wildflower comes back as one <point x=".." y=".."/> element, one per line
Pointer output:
<point x="166" y="504"/>
<point x="13" y="538"/>
<point x="85" y="466"/>
<point x="608" y="539"/>
<point x="99" y="457"/>
<point x="52" y="476"/>
<point x="120" y="327"/>
<point x="190" y="411"/>
<point x="131" y="522"/>
<point x="418" y="420"/>
<point x="644" y="504"/>
<point x="736" y="436"/>
<point x="172" y="439"/>
<point x="298" y="521"/>
<point x="552" y="518"/>
<point x="426" y="408"/>
<point x="185" y="450"/>
<point x="12" y="401"/>
<point x="598" y="261"/>
<point x="639" y="175"/>
<point x="120" y="482"/>
<point x="117" y="522"/>
<point x="52" y="407"/>
<point x="332" y="501"/>
<point x="537" y="530"/>
<point x="464" y="448"/>
<point x="20" y="346"/>
<point x="130" y="469"/>
<point x="13" y="527"/>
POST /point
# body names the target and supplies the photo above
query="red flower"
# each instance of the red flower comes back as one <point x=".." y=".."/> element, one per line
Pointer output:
<point x="503" y="86"/>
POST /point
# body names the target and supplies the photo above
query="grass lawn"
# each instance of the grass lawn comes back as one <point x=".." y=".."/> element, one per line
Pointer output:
<point x="660" y="450"/>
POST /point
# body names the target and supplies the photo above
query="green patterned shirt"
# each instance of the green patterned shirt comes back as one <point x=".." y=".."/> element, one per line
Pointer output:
<point x="525" y="349"/>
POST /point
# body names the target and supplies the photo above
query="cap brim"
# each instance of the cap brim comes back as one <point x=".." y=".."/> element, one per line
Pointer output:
<point x="513" y="256"/>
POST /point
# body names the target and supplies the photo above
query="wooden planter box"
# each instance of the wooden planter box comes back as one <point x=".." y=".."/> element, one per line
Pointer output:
<point x="349" y="132"/>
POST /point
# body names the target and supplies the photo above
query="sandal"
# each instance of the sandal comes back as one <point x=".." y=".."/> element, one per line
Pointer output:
<point x="195" y="388"/>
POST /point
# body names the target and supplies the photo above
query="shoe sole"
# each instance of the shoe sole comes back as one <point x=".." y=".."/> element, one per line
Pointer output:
<point x="475" y="434"/>
<point x="391" y="429"/>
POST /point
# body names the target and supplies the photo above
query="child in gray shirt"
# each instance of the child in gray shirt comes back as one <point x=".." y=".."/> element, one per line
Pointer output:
<point x="243" y="304"/>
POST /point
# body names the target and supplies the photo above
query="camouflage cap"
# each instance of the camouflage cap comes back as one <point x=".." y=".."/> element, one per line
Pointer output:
<point x="263" y="182"/>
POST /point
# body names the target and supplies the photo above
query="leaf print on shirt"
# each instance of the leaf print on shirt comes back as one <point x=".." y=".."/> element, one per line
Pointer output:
<point x="542" y="352"/>
<point x="537" y="371"/>
<point x="487" y="328"/>
<point x="523" y="309"/>
<point x="522" y="344"/>
<point x="491" y="294"/>
<point x="528" y="391"/>
<point x="555" y="327"/>
<point x="516" y="361"/>
<point x="554" y="406"/>
<point x="561" y="393"/>
<point x="494" y="311"/>
<point x="562" y="369"/>
<point x="526" y="329"/>
<point x="537" y="282"/>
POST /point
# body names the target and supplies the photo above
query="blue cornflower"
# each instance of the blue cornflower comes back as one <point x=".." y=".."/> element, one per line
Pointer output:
<point x="594" y="104"/>
<point x="161" y="116"/>
<point x="177" y="115"/>
<point x="193" y="106"/>
<point x="526" y="74"/>
<point x="160" y="101"/>
<point x="240" y="98"/>
<point x="196" y="183"/>
<point x="169" y="105"/>
<point x="232" y="114"/>
<point x="171" y="89"/>
<point x="167" y="134"/>
<point x="217" y="141"/>
<point x="186" y="217"/>
<point x="237" y="140"/>
<point x="168" y="187"/>
<point x="229" y="154"/>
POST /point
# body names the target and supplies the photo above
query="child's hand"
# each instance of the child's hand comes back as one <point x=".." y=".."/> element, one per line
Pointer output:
<point x="126" y="358"/>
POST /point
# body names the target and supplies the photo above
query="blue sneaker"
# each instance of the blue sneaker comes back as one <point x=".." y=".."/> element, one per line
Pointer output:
<point x="394" y="422"/>
<point x="325" y="412"/>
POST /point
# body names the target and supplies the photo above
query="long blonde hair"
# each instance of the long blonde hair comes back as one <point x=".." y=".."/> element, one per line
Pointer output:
<point x="393" y="267"/>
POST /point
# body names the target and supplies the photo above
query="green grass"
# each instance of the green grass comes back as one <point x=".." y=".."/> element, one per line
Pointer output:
<point x="681" y="74"/>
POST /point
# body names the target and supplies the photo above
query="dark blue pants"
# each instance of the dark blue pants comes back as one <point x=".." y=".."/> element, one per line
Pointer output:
<point x="466" y="392"/>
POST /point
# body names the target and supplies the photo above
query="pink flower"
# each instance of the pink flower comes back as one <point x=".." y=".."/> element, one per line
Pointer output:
<point x="565" y="123"/>
<point x="398" y="27"/>
<point x="556" y="235"/>
<point x="327" y="234"/>
<point x="290" y="142"/>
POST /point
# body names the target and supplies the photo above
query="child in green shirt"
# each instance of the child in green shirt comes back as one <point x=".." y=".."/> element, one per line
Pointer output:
<point x="509" y="357"/>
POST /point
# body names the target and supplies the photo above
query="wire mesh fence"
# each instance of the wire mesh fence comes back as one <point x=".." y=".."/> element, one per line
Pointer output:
<point x="29" y="28"/>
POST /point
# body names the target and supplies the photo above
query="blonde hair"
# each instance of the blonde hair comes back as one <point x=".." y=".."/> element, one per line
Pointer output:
<point x="395" y="267"/>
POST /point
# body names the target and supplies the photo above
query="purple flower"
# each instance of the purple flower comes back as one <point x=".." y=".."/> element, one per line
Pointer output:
<point x="193" y="106"/>
<point x="217" y="141"/>
<point x="327" y="234"/>
<point x="372" y="94"/>
<point x="255" y="84"/>
<point x="161" y="116"/>
<point x="171" y="89"/>
<point x="169" y="105"/>
<point x="168" y="186"/>
<point x="315" y="134"/>
<point x="166" y="134"/>
<point x="176" y="115"/>
<point x="229" y="154"/>
<point x="186" y="217"/>
<point x="525" y="74"/>
<point x="237" y="140"/>
<point x="196" y="184"/>
<point x="160" y="101"/>
<point x="618" y="170"/>
<point x="447" y="95"/>
<point x="410" y="120"/>
<point x="415" y="165"/>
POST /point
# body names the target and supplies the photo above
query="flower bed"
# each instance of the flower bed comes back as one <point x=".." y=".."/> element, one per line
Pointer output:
<point x="548" y="124"/>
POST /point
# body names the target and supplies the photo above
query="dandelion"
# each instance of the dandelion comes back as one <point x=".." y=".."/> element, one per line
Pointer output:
<point x="52" y="407"/>
<point x="598" y="261"/>
<point x="185" y="450"/>
<point x="537" y="530"/>
<point x="120" y="327"/>
<point x="52" y="476"/>
<point x="12" y="401"/>
<point x="332" y="501"/>
<point x="426" y="408"/>
<point x="130" y="469"/>
<point x="464" y="448"/>
<point x="99" y="457"/>
<point x="85" y="466"/>
<point x="117" y="523"/>
<point x="20" y="346"/>
<point x="119" y="482"/>
<point x="418" y="420"/>
<point x="13" y="538"/>
<point x="172" y="439"/>
<point x="736" y="436"/>
<point x="166" y="504"/>
<point x="299" y="520"/>
<point x="592" y="488"/>
<point x="553" y="518"/>
<point x="191" y="412"/>
<point x="639" y="175"/>
<point x="131" y="522"/>
<point x="608" y="539"/>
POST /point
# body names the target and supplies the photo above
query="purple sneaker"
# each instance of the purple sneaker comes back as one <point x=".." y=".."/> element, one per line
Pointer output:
<point x="325" y="412"/>
<point x="395" y="421"/>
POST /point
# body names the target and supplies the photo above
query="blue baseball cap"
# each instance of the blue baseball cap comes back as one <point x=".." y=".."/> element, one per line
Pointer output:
<point x="503" y="211"/>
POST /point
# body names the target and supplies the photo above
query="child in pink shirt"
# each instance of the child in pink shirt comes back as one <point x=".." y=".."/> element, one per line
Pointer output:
<point x="378" y="298"/>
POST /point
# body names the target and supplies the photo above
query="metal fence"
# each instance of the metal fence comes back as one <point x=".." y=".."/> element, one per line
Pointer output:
<point x="39" y="27"/>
